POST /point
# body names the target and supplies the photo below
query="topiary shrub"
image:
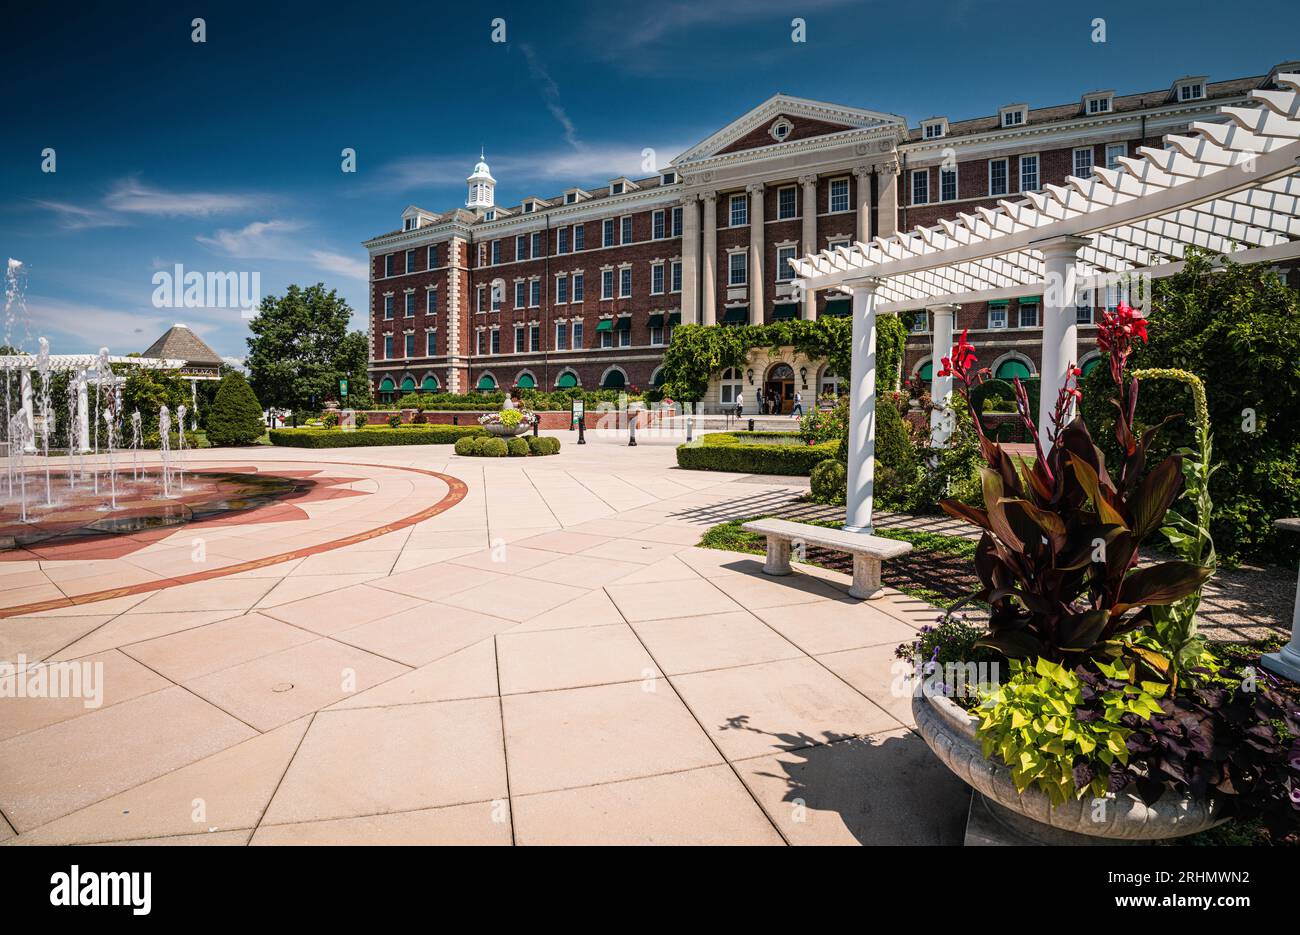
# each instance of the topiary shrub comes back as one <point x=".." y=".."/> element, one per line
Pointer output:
<point x="360" y="420"/>
<point x="236" y="415"/>
<point x="465" y="446"/>
<point x="492" y="448"/>
<point x="829" y="482"/>
<point x="394" y="422"/>
<point x="517" y="447"/>
<point x="543" y="445"/>
<point x="896" y="464"/>
<point x="330" y="419"/>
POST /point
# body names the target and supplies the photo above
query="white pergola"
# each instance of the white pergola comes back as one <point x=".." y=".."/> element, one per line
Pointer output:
<point x="1231" y="186"/>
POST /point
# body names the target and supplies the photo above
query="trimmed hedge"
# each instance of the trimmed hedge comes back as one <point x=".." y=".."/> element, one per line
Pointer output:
<point x="735" y="451"/>
<point x="489" y="446"/>
<point x="373" y="437"/>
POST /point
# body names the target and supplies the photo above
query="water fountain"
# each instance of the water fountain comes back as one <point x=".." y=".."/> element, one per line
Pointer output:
<point x="180" y="447"/>
<point x="74" y="384"/>
<point x="19" y="432"/>
<point x="47" y="416"/>
<point x="164" y="432"/>
<point x="109" y="433"/>
<point x="135" y="445"/>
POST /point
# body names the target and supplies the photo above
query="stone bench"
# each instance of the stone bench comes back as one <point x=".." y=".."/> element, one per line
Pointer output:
<point x="867" y="551"/>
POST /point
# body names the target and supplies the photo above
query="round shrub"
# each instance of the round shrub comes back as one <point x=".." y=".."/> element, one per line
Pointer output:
<point x="330" y="419"/>
<point x="236" y="416"/>
<point x="516" y="447"/>
<point x="829" y="481"/>
<point x="394" y="422"/>
<point x="492" y="448"/>
<point x="360" y="420"/>
<point x="465" y="446"/>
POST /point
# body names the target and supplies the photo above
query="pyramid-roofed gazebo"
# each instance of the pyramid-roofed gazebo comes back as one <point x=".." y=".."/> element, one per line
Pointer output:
<point x="180" y="343"/>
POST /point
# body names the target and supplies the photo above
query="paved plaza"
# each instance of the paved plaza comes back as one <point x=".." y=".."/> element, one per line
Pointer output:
<point x="436" y="649"/>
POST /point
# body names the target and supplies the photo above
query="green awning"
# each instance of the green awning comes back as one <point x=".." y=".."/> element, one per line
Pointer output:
<point x="838" y="307"/>
<point x="736" y="316"/>
<point x="567" y="380"/>
<point x="614" y="380"/>
<point x="430" y="383"/>
<point x="624" y="323"/>
<point x="655" y="321"/>
<point x="785" y="310"/>
<point x="605" y="324"/>
<point x="1010" y="369"/>
<point x="926" y="373"/>
<point x="1031" y="300"/>
<point x="675" y="318"/>
<point x="658" y="379"/>
<point x="486" y="382"/>
<point x="525" y="381"/>
<point x="408" y="384"/>
<point x="1090" y="365"/>
<point x="998" y="303"/>
<point x="386" y="385"/>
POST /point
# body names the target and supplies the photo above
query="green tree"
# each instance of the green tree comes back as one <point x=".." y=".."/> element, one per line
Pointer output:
<point x="236" y="416"/>
<point x="301" y="346"/>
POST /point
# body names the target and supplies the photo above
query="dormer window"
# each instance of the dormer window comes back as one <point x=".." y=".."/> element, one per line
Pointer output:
<point x="489" y="215"/>
<point x="781" y="130"/>
<point x="1189" y="89"/>
<point x="617" y="188"/>
<point x="934" y="128"/>
<point x="1014" y="115"/>
<point x="570" y="198"/>
<point x="532" y="205"/>
<point x="409" y="225"/>
<point x="1099" y="102"/>
<point x="668" y="178"/>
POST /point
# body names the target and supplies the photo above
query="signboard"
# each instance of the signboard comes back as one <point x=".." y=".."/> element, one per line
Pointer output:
<point x="578" y="410"/>
<point x="343" y="386"/>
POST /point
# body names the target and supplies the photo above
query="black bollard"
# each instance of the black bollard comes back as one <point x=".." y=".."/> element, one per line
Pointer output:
<point x="751" y="425"/>
<point x="537" y="421"/>
<point x="582" y="440"/>
<point x="631" y="430"/>
<point x="455" y="420"/>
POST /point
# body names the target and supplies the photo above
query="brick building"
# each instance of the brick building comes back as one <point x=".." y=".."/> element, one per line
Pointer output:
<point x="584" y="288"/>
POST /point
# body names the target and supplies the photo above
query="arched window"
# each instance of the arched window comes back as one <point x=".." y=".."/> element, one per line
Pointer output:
<point x="657" y="379"/>
<point x="730" y="386"/>
<point x="781" y="372"/>
<point x="487" y="383"/>
<point x="614" y="380"/>
<point x="1010" y="369"/>
<point x="525" y="381"/>
<point x="430" y="384"/>
<point x="408" y="384"/>
<point x="1090" y="365"/>
<point x="566" y="381"/>
<point x="386" y="385"/>
<point x="926" y="373"/>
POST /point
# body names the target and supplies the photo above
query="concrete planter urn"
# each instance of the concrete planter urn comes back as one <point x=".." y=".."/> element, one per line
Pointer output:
<point x="1009" y="816"/>
<point x="505" y="431"/>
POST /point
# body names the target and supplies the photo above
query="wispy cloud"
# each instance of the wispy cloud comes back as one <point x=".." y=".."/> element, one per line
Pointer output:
<point x="129" y="196"/>
<point x="550" y="94"/>
<point x="281" y="239"/>
<point x="77" y="327"/>
<point x="79" y="217"/>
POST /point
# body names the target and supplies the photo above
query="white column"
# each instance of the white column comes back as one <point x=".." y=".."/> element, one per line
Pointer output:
<point x="863" y="174"/>
<point x="83" y="414"/>
<point x="862" y="407"/>
<point x="887" y="191"/>
<point x="1060" y="324"/>
<point x="709" y="261"/>
<point x="25" y="382"/>
<point x="690" y="260"/>
<point x="809" y="241"/>
<point x="756" y="254"/>
<point x="1286" y="661"/>
<point x="941" y="387"/>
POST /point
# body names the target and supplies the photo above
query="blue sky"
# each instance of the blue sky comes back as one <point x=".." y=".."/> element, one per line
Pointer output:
<point x="225" y="156"/>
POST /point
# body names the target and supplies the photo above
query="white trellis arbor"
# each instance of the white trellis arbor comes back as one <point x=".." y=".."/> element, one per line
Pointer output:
<point x="1231" y="186"/>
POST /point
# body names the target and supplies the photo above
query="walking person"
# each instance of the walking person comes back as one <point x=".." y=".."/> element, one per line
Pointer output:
<point x="740" y="403"/>
<point x="798" y="405"/>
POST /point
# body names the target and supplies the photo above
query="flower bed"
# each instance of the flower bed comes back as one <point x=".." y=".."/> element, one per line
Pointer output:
<point x="754" y="453"/>
<point x="373" y="436"/>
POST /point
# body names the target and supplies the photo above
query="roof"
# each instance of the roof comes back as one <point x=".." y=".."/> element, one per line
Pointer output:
<point x="180" y="343"/>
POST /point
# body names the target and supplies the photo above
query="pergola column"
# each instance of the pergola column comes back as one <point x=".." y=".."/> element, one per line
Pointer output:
<point x="1060" y="325"/>
<point x="25" y="383"/>
<point x="863" y="174"/>
<point x="690" y="260"/>
<point x="862" y="407"/>
<point x="709" y="261"/>
<point x="808" y="207"/>
<point x="756" y="254"/>
<point x="83" y="414"/>
<point x="887" y="210"/>
<point x="941" y="387"/>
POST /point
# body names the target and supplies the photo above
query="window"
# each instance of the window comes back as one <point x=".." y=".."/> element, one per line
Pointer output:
<point x="482" y="342"/>
<point x="480" y="299"/>
<point x="920" y="322"/>
<point x="606" y="337"/>
<point x="410" y="261"/>
<point x="1098" y="105"/>
<point x="730" y="387"/>
<point x="388" y="347"/>
<point x="1083" y="313"/>
<point x="535" y="338"/>
<point x="1083" y="162"/>
<point x="656" y="279"/>
<point x="410" y="305"/>
<point x="1028" y="314"/>
<point x="656" y="334"/>
<point x="669" y="178"/>
<point x="616" y="188"/>
<point x="947" y="184"/>
<point x="1114" y="152"/>
<point x="496" y="340"/>
<point x="496" y="252"/>
<point x="498" y="294"/>
<point x="1192" y="91"/>
<point x="570" y="198"/>
<point x="784" y="271"/>
<point x="409" y="224"/>
<point x="738" y="269"/>
<point x="430" y="343"/>
<point x="626" y="229"/>
<point x="562" y="240"/>
<point x="579" y="237"/>
<point x="1013" y="116"/>
<point x="839" y="195"/>
<point x="608" y="230"/>
<point x="997" y="177"/>
<point x="535" y="293"/>
<point x="577" y="335"/>
<point x="489" y="215"/>
<point x="739" y="210"/>
<point x="539" y="244"/>
<point x="431" y="259"/>
<point x="625" y="283"/>
<point x="677" y="222"/>
<point x="624" y="333"/>
<point x="1029" y="173"/>
<point x="561" y="335"/>
<point x="676" y="276"/>
<point x="933" y="129"/>
<point x="410" y="345"/>
<point x="921" y="186"/>
<point x="521" y="247"/>
<point x="519" y="339"/>
<point x="1115" y="294"/>
<point x="577" y="287"/>
<point x="388" y="307"/>
<point x="998" y="316"/>
<point x="390" y="265"/>
<point x="521" y="294"/>
<point x="657" y="225"/>
<point x="785" y="203"/>
<point x="430" y="301"/>
<point x="606" y="284"/>
<point x="561" y="290"/>
<point x="528" y="207"/>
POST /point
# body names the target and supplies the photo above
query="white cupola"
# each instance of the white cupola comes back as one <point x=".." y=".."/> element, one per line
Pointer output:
<point x="481" y="185"/>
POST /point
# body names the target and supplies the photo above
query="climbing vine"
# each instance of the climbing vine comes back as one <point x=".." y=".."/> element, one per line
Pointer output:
<point x="699" y="351"/>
